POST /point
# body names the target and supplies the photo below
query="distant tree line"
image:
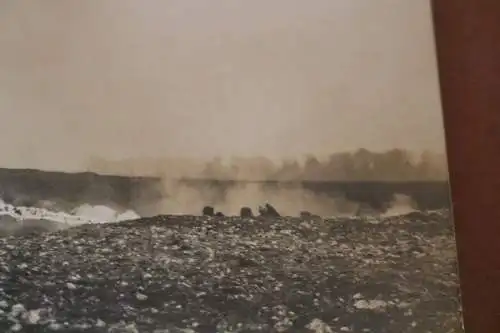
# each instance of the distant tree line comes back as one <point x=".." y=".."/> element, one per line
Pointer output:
<point x="360" y="165"/>
<point x="392" y="165"/>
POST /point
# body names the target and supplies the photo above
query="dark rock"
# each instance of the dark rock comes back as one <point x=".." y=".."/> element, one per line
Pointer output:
<point x="308" y="215"/>
<point x="246" y="212"/>
<point x="208" y="211"/>
<point x="219" y="214"/>
<point x="305" y="214"/>
<point x="268" y="211"/>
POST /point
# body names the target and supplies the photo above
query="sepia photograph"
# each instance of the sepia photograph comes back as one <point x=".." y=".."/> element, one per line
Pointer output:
<point x="224" y="166"/>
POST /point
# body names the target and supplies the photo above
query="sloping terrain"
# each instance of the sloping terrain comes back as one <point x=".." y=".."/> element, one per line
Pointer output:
<point x="227" y="274"/>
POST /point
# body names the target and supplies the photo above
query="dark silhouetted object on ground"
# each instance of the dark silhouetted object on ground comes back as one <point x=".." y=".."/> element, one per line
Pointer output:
<point x="219" y="214"/>
<point x="268" y="211"/>
<point x="305" y="214"/>
<point x="246" y="212"/>
<point x="208" y="211"/>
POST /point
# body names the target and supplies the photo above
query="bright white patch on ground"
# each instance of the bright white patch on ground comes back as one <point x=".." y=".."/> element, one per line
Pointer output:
<point x="370" y="305"/>
<point x="319" y="326"/>
<point x="84" y="214"/>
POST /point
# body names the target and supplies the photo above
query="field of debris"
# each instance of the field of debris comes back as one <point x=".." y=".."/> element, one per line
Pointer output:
<point x="232" y="274"/>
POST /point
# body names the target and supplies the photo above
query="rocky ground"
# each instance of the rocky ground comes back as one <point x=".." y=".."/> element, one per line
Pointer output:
<point x="228" y="274"/>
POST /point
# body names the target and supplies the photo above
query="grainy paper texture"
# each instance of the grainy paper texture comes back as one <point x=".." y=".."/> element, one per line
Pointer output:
<point x="223" y="166"/>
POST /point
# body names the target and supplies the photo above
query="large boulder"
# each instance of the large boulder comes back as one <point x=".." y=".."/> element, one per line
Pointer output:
<point x="208" y="211"/>
<point x="246" y="212"/>
<point x="268" y="211"/>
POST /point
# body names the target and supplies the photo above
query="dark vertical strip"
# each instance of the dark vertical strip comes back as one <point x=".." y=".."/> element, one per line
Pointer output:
<point x="468" y="49"/>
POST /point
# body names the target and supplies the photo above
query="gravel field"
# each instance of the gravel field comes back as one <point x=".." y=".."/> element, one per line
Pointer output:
<point x="228" y="274"/>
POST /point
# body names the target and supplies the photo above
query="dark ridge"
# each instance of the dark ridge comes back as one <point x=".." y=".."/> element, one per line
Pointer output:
<point x="28" y="186"/>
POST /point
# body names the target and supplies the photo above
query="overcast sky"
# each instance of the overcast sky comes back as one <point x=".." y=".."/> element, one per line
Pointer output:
<point x="124" y="78"/>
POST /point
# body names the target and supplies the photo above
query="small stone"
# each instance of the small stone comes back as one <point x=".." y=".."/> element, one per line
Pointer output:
<point x="22" y="266"/>
<point x="75" y="277"/>
<point x="370" y="305"/>
<point x="55" y="326"/>
<point x="33" y="317"/>
<point x="17" y="310"/>
<point x="141" y="297"/>
<point x="70" y="286"/>
<point x="16" y="327"/>
<point x="403" y="305"/>
<point x="305" y="225"/>
<point x="131" y="328"/>
<point x="81" y="327"/>
<point x="100" y="323"/>
<point x="319" y="326"/>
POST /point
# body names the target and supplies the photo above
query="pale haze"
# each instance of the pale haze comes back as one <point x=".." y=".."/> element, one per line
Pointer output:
<point x="123" y="78"/>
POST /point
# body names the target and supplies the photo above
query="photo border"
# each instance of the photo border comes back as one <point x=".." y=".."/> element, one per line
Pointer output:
<point x="467" y="34"/>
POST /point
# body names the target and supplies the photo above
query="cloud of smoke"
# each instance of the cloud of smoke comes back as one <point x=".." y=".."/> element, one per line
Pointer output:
<point x="401" y="204"/>
<point x="180" y="187"/>
<point x="288" y="199"/>
<point x="231" y="183"/>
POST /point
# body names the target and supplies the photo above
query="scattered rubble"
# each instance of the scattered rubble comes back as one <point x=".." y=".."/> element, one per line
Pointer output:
<point x="198" y="274"/>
